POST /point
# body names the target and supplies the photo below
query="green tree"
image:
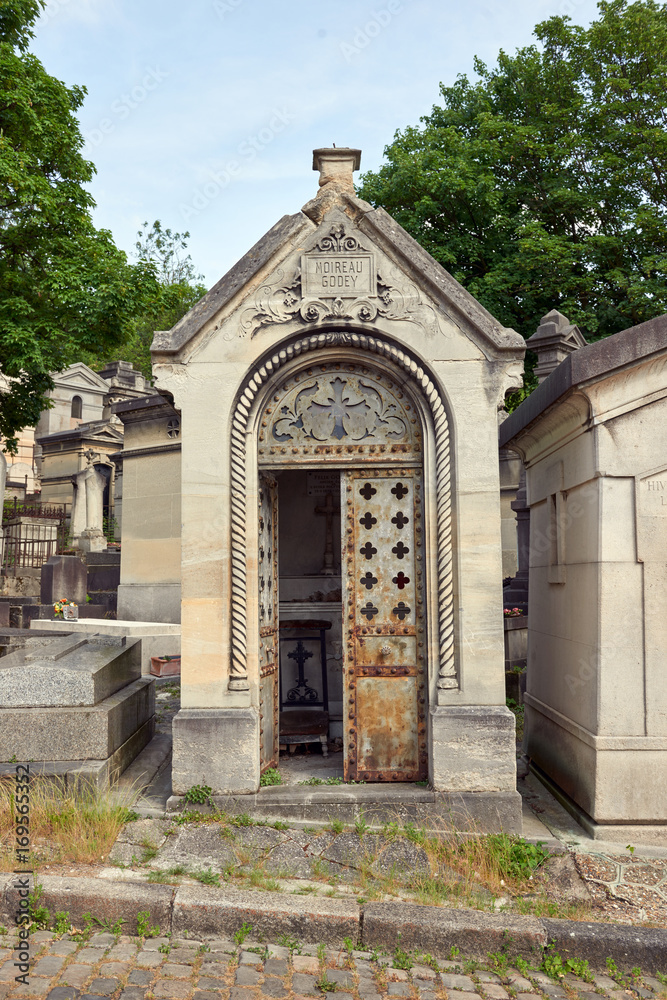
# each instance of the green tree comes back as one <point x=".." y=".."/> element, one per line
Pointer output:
<point x="64" y="285"/>
<point x="543" y="184"/>
<point x="177" y="290"/>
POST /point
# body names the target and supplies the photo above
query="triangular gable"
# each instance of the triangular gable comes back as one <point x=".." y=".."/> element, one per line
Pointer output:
<point x="96" y="430"/>
<point x="429" y="285"/>
<point x="108" y="433"/>
<point x="80" y="376"/>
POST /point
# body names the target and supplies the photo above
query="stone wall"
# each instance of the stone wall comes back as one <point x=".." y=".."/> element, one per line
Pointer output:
<point x="150" y="567"/>
<point x="593" y="440"/>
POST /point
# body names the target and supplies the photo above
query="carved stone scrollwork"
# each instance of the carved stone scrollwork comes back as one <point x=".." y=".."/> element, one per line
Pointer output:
<point x="338" y="242"/>
<point x="447" y="678"/>
<point x="274" y="303"/>
<point x="341" y="265"/>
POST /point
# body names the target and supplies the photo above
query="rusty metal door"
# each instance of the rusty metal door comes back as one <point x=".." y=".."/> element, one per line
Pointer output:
<point x="384" y="679"/>
<point x="267" y="562"/>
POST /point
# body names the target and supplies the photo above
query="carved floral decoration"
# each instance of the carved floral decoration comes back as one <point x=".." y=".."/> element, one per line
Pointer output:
<point x="282" y="300"/>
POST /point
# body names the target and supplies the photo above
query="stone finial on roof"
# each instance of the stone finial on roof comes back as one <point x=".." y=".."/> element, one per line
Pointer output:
<point x="553" y="340"/>
<point x="336" y="166"/>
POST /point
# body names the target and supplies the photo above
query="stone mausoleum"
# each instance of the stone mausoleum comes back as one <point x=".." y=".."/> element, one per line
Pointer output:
<point x="592" y="438"/>
<point x="339" y="395"/>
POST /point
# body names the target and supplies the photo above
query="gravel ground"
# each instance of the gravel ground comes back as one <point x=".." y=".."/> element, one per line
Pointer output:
<point x="630" y="890"/>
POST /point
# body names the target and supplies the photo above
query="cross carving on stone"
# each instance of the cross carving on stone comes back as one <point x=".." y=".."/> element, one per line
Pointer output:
<point x="328" y="511"/>
<point x="90" y="455"/>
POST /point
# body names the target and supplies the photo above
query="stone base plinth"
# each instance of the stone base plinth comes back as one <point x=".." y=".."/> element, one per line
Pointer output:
<point x="610" y="784"/>
<point x="472" y="749"/>
<point x="644" y="834"/>
<point x="71" y="734"/>
<point x="84" y="774"/>
<point x="218" y="747"/>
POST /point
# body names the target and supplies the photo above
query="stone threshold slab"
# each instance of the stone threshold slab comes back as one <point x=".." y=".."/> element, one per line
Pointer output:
<point x="377" y="804"/>
<point x="206" y="912"/>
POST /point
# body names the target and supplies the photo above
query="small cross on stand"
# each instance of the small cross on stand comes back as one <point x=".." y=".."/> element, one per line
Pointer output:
<point x="328" y="511"/>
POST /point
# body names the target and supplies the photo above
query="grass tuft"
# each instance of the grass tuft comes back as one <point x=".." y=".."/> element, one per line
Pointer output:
<point x="65" y="826"/>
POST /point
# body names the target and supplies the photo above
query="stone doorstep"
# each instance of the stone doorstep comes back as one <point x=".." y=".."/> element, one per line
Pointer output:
<point x="312" y="805"/>
<point x="207" y="912"/>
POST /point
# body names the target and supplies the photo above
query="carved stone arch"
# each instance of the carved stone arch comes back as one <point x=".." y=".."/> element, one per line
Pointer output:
<point x="423" y="384"/>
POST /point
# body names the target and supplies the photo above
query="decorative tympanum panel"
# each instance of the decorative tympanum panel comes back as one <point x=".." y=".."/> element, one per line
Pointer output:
<point x="337" y="412"/>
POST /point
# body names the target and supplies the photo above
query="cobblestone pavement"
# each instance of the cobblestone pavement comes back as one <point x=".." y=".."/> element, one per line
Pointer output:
<point x="125" y="968"/>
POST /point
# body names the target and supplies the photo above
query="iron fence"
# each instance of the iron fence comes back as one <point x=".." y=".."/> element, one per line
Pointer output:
<point x="31" y="534"/>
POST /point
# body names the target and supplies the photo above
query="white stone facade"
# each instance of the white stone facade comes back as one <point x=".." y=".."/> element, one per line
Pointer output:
<point x="409" y="326"/>
<point x="593" y="440"/>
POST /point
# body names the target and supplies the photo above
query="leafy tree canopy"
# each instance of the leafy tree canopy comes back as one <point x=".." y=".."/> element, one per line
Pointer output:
<point x="177" y="290"/>
<point x="543" y="184"/>
<point x="64" y="285"/>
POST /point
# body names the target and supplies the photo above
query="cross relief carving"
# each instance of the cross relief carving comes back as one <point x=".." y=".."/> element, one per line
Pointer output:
<point x="341" y="405"/>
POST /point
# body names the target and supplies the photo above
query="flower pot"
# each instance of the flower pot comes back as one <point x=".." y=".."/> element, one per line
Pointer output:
<point x="166" y="666"/>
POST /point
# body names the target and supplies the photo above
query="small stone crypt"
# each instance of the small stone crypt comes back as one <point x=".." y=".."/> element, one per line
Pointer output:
<point x="338" y="366"/>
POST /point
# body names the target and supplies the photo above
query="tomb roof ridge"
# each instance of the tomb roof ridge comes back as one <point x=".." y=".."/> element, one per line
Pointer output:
<point x="437" y="280"/>
<point x="172" y="341"/>
<point x="336" y="194"/>
<point x="586" y="365"/>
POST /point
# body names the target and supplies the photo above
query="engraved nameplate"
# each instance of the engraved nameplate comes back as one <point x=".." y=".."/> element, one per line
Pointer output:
<point x="653" y="497"/>
<point x="344" y="275"/>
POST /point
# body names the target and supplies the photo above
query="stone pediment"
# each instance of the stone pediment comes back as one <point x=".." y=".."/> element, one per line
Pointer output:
<point x="340" y="263"/>
<point x="338" y="277"/>
<point x="80" y="376"/>
<point x="96" y="431"/>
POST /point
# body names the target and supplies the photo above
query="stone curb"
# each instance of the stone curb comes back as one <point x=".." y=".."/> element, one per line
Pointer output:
<point x="629" y="946"/>
<point x="207" y="911"/>
<point x="211" y="912"/>
<point x="436" y="929"/>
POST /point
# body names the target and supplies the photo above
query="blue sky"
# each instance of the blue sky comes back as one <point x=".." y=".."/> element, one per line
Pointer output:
<point x="204" y="113"/>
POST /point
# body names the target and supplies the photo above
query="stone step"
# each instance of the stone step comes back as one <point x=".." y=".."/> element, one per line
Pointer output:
<point x="377" y="805"/>
<point x="110" y="557"/>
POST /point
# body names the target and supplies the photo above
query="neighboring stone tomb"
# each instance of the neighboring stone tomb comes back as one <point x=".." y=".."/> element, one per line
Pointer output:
<point x="77" y="707"/>
<point x="338" y="346"/>
<point x="593" y="440"/>
<point x="157" y="638"/>
<point x="148" y="502"/>
<point x="80" y="418"/>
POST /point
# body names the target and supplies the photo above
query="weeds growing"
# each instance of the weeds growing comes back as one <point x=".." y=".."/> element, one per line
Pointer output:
<point x="270" y="777"/>
<point x="64" y="826"/>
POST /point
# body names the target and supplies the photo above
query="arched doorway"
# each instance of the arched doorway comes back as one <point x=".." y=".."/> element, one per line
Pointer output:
<point x="366" y="422"/>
